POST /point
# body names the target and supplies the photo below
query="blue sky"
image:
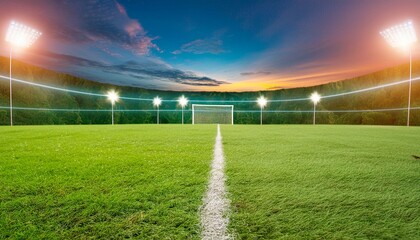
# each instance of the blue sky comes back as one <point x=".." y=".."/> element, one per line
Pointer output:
<point x="211" y="45"/>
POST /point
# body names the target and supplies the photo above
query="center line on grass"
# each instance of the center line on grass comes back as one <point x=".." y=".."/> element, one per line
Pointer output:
<point x="214" y="212"/>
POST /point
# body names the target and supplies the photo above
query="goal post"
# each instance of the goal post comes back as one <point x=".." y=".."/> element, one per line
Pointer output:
<point x="212" y="114"/>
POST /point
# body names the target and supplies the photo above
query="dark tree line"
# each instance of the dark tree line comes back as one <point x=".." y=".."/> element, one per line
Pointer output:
<point x="248" y="113"/>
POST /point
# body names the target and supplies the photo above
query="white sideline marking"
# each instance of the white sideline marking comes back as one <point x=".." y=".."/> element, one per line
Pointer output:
<point x="214" y="219"/>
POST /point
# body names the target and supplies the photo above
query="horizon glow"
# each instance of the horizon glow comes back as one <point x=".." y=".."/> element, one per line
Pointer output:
<point x="222" y="101"/>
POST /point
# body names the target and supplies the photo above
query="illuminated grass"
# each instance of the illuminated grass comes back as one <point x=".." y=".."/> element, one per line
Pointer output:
<point x="63" y="182"/>
<point x="323" y="182"/>
<point x="147" y="181"/>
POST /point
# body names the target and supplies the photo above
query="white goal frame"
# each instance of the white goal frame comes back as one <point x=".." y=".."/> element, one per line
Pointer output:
<point x="209" y="105"/>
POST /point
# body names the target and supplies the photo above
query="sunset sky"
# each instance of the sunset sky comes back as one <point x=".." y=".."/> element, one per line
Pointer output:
<point x="211" y="45"/>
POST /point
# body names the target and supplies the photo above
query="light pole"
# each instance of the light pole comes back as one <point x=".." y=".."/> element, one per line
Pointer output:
<point x="157" y="101"/>
<point x="113" y="97"/>
<point x="20" y="36"/>
<point x="402" y="36"/>
<point x="315" y="98"/>
<point x="262" y="101"/>
<point x="182" y="101"/>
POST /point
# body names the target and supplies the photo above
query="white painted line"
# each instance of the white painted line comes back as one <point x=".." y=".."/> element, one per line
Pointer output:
<point x="214" y="212"/>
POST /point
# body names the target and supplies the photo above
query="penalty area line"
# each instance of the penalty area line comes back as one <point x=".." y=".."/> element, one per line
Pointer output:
<point x="214" y="211"/>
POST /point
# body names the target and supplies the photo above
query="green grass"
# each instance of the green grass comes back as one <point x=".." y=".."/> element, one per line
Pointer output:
<point x="139" y="181"/>
<point x="148" y="181"/>
<point x="323" y="182"/>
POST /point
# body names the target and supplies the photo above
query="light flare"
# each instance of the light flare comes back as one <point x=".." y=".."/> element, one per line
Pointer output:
<point x="21" y="35"/>
<point x="400" y="36"/>
<point x="262" y="101"/>
<point x="157" y="101"/>
<point x="113" y="96"/>
<point x="183" y="101"/>
<point x="315" y="98"/>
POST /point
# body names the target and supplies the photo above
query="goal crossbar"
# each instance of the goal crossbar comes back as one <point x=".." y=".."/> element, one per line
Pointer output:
<point x="216" y="113"/>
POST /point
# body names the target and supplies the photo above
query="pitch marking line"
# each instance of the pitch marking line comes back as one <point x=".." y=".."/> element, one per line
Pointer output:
<point x="214" y="212"/>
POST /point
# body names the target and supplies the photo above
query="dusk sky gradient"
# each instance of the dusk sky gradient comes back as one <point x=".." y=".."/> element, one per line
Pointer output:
<point x="211" y="45"/>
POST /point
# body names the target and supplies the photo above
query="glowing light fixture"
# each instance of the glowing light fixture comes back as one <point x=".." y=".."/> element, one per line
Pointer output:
<point x="21" y="36"/>
<point x="157" y="101"/>
<point x="402" y="36"/>
<point x="183" y="102"/>
<point x="113" y="97"/>
<point x="315" y="98"/>
<point x="262" y="101"/>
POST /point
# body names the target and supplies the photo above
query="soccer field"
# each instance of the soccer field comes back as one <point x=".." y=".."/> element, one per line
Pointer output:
<point x="323" y="182"/>
<point x="148" y="181"/>
<point x="140" y="181"/>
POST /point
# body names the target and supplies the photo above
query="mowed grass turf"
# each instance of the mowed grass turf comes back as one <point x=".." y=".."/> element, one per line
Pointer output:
<point x="323" y="182"/>
<point x="136" y="181"/>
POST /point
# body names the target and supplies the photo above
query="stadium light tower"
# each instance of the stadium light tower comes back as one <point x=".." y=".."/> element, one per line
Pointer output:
<point x="262" y="101"/>
<point x="315" y="98"/>
<point x="157" y="101"/>
<point x="402" y="36"/>
<point x="182" y="101"/>
<point x="18" y="36"/>
<point x="113" y="97"/>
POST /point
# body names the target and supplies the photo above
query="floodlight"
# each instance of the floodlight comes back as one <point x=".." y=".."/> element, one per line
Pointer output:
<point x="402" y="36"/>
<point x="315" y="98"/>
<point x="262" y="101"/>
<point x="157" y="101"/>
<point x="18" y="35"/>
<point x="113" y="97"/>
<point x="21" y="35"/>
<point x="182" y="101"/>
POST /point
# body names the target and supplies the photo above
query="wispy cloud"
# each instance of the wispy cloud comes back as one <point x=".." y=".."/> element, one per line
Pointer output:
<point x="259" y="73"/>
<point x="146" y="70"/>
<point x="202" y="46"/>
<point x="83" y="22"/>
<point x="275" y="88"/>
<point x="108" y="21"/>
<point x="163" y="72"/>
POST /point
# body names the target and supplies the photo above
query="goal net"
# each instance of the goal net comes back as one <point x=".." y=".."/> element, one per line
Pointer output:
<point x="208" y="114"/>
